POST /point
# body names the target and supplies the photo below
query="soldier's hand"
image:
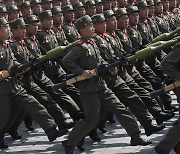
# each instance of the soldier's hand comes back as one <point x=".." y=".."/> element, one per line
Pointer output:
<point x="88" y="74"/>
<point x="113" y="71"/>
<point x="1" y="75"/>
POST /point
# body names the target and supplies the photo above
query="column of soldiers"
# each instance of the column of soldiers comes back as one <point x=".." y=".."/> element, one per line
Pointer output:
<point x="107" y="29"/>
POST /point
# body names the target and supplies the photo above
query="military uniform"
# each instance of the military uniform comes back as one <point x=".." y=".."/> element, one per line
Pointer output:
<point x="68" y="26"/>
<point x="141" y="65"/>
<point x="94" y="92"/>
<point x="170" y="65"/>
<point x="12" y="91"/>
<point x="115" y="83"/>
<point x="61" y="98"/>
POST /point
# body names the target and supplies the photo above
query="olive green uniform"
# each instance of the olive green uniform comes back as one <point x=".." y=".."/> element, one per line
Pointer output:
<point x="94" y="94"/>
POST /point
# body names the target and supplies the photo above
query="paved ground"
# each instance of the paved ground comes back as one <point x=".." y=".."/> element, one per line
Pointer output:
<point x="115" y="141"/>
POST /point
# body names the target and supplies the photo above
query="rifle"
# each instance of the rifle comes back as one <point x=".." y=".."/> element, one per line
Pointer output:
<point x="165" y="89"/>
<point x="52" y="54"/>
<point x="141" y="54"/>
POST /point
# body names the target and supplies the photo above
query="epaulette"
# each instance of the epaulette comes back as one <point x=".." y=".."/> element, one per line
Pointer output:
<point x="80" y="42"/>
<point x="11" y="41"/>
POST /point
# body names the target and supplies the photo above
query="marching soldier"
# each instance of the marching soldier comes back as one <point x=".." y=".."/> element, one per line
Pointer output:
<point x="79" y="10"/>
<point x="114" y="82"/>
<point x="90" y="7"/>
<point x="68" y="26"/>
<point x="99" y="6"/>
<point x="171" y="140"/>
<point x="23" y="55"/>
<point x="36" y="7"/>
<point x="94" y="92"/>
<point x="13" y="12"/>
<point x="11" y="90"/>
<point x="25" y="9"/>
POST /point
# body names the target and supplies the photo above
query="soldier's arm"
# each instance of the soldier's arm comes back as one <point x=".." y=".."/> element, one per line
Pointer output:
<point x="170" y="63"/>
<point x="70" y="61"/>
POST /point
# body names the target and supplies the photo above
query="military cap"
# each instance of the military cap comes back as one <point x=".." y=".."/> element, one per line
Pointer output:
<point x="108" y="14"/>
<point x="150" y="2"/>
<point x="98" y="1"/>
<point x="157" y="1"/>
<point x="12" y="8"/>
<point x="120" y="12"/>
<point x="82" y="22"/>
<point x="3" y="21"/>
<point x="132" y="9"/>
<point x="67" y="8"/>
<point x="35" y="2"/>
<point x="45" y="1"/>
<point x="97" y="18"/>
<point x="17" y="23"/>
<point x="89" y="3"/>
<point x="30" y="19"/>
<point x="142" y="4"/>
<point x="77" y="5"/>
<point x="24" y="5"/>
<point x="3" y="9"/>
<point x="45" y="14"/>
<point x="55" y="10"/>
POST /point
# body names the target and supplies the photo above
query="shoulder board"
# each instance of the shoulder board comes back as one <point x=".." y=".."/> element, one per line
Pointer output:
<point x="11" y="41"/>
<point x="80" y="42"/>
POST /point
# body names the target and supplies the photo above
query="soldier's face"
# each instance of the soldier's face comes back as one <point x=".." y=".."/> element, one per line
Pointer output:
<point x="26" y="11"/>
<point x="58" y="18"/>
<point x="69" y="16"/>
<point x="4" y="31"/>
<point x="91" y="11"/>
<point x="111" y="23"/>
<point x="47" y="6"/>
<point x="88" y="31"/>
<point x="134" y="18"/>
<point x="143" y="13"/>
<point x="36" y="9"/>
<point x="13" y="15"/>
<point x="108" y="5"/>
<point x="122" y="3"/>
<point x="172" y="3"/>
<point x="166" y="5"/>
<point x="158" y="8"/>
<point x="151" y="11"/>
<point x="100" y="27"/>
<point x="47" y="23"/>
<point x="80" y="12"/>
<point x="32" y="28"/>
<point x="123" y="22"/>
<point x="19" y="32"/>
<point x="99" y="8"/>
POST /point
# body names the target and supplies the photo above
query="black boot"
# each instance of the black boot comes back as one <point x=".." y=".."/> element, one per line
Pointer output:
<point x="81" y="146"/>
<point x="154" y="128"/>
<point x="28" y="123"/>
<point x="66" y="125"/>
<point x="54" y="133"/>
<point x="137" y="140"/>
<point x="160" y="151"/>
<point x="93" y="135"/>
<point x="102" y="128"/>
<point x="14" y="134"/>
<point x="111" y="119"/>
<point x="67" y="147"/>
<point x="2" y="144"/>
<point x="164" y="117"/>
